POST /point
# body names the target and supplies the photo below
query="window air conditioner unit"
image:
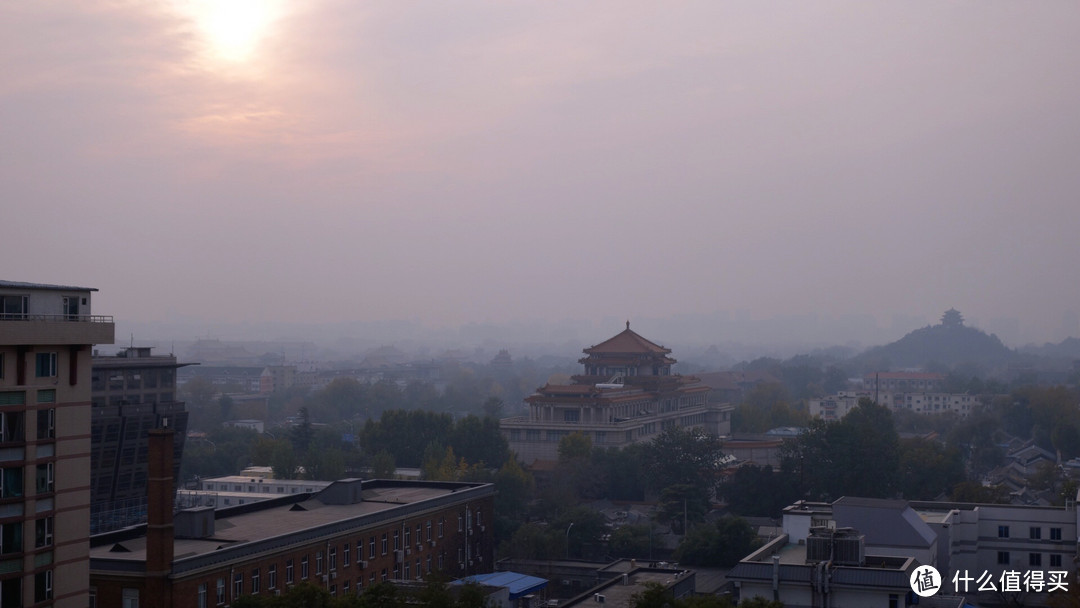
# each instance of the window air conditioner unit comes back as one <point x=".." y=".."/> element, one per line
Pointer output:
<point x="431" y="542"/>
<point x="362" y="563"/>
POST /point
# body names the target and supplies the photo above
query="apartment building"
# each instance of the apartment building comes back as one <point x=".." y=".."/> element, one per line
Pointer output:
<point x="46" y="338"/>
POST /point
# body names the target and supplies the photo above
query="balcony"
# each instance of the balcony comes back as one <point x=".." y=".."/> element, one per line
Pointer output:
<point x="27" y="329"/>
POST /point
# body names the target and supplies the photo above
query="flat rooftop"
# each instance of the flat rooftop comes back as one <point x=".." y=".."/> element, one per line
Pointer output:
<point x="284" y="521"/>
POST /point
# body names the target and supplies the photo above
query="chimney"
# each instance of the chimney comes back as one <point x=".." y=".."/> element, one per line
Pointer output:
<point x="159" y="516"/>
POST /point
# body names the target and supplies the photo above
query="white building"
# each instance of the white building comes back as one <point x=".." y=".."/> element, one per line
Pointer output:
<point x="837" y="406"/>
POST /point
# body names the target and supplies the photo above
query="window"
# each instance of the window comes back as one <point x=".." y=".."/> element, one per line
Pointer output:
<point x="318" y="562"/>
<point x="255" y="580"/>
<point x="46" y="365"/>
<point x="289" y="572"/>
<point x="371" y="548"/>
<point x="384" y="574"/>
<point x="1003" y="532"/>
<point x="1034" y="559"/>
<point x="428" y="529"/>
<point x="571" y="415"/>
<point x="12" y="485"/>
<point x="894" y="600"/>
<point x="1055" y="561"/>
<point x="408" y="537"/>
<point x="419" y="539"/>
<point x="12" y="426"/>
<point x="13" y="307"/>
<point x="1055" y="533"/>
<point x="93" y="598"/>
<point x="1003" y="557"/>
<point x="333" y="558"/>
<point x="238" y="585"/>
<point x="202" y="596"/>
<point x="1034" y="533"/>
<point x="384" y="543"/>
<point x="46" y="424"/>
<point x="345" y="555"/>
<point x="11" y="537"/>
<point x="43" y="532"/>
<point x="460" y="523"/>
<point x="271" y="577"/>
<point x="130" y="598"/>
<point x="397" y="540"/>
<point x="43" y="586"/>
<point x="304" y="568"/>
<point x="345" y="588"/>
<point x="44" y="478"/>
<point x="220" y="591"/>
<point x="441" y="523"/>
<point x="407" y="570"/>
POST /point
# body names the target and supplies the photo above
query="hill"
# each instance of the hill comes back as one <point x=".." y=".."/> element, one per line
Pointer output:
<point x="949" y="343"/>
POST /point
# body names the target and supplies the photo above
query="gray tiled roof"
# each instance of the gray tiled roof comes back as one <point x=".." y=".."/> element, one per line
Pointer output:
<point x="890" y="523"/>
<point x="22" y="285"/>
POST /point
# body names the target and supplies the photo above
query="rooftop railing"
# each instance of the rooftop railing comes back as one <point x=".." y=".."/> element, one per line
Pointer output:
<point x="18" y="316"/>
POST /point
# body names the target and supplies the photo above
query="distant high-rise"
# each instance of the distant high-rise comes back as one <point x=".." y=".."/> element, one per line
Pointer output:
<point x="132" y="393"/>
<point x="46" y="337"/>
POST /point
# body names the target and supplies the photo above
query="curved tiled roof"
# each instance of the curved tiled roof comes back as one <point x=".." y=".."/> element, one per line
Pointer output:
<point x="627" y="341"/>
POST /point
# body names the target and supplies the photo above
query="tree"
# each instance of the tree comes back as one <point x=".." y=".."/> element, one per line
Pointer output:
<point x="493" y="408"/>
<point x="631" y="541"/>
<point x="682" y="505"/>
<point x="928" y="469"/>
<point x="301" y="433"/>
<point x="972" y="491"/>
<point x="855" y="456"/>
<point x="759" y="491"/>
<point x="583" y="540"/>
<point x="683" y="456"/>
<point x="283" y="460"/>
<point x="383" y="466"/>
<point x="720" y="544"/>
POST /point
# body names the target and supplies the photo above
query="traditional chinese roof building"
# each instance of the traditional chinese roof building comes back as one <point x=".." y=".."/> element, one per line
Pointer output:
<point x="626" y="394"/>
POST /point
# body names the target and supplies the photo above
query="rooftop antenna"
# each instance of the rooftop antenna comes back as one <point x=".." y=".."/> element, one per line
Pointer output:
<point x="132" y="340"/>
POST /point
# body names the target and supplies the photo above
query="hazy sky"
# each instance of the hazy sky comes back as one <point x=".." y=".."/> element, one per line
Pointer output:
<point x="459" y="162"/>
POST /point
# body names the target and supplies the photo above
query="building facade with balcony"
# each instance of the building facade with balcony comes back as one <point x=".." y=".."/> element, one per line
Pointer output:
<point x="627" y="394"/>
<point x="46" y="338"/>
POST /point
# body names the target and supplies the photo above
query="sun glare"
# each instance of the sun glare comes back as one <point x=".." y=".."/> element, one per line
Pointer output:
<point x="233" y="29"/>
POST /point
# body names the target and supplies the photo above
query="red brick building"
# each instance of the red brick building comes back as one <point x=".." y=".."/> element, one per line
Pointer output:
<point x="346" y="537"/>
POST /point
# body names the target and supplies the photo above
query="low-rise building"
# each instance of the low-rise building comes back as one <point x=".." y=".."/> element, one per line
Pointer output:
<point x="350" y="535"/>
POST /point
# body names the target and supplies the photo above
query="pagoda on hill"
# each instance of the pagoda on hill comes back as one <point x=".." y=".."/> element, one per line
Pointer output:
<point x="627" y="394"/>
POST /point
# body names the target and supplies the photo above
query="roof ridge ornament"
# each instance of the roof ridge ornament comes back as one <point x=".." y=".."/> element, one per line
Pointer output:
<point x="628" y="324"/>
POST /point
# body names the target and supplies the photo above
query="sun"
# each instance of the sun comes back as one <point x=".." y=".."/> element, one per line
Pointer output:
<point x="233" y="29"/>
